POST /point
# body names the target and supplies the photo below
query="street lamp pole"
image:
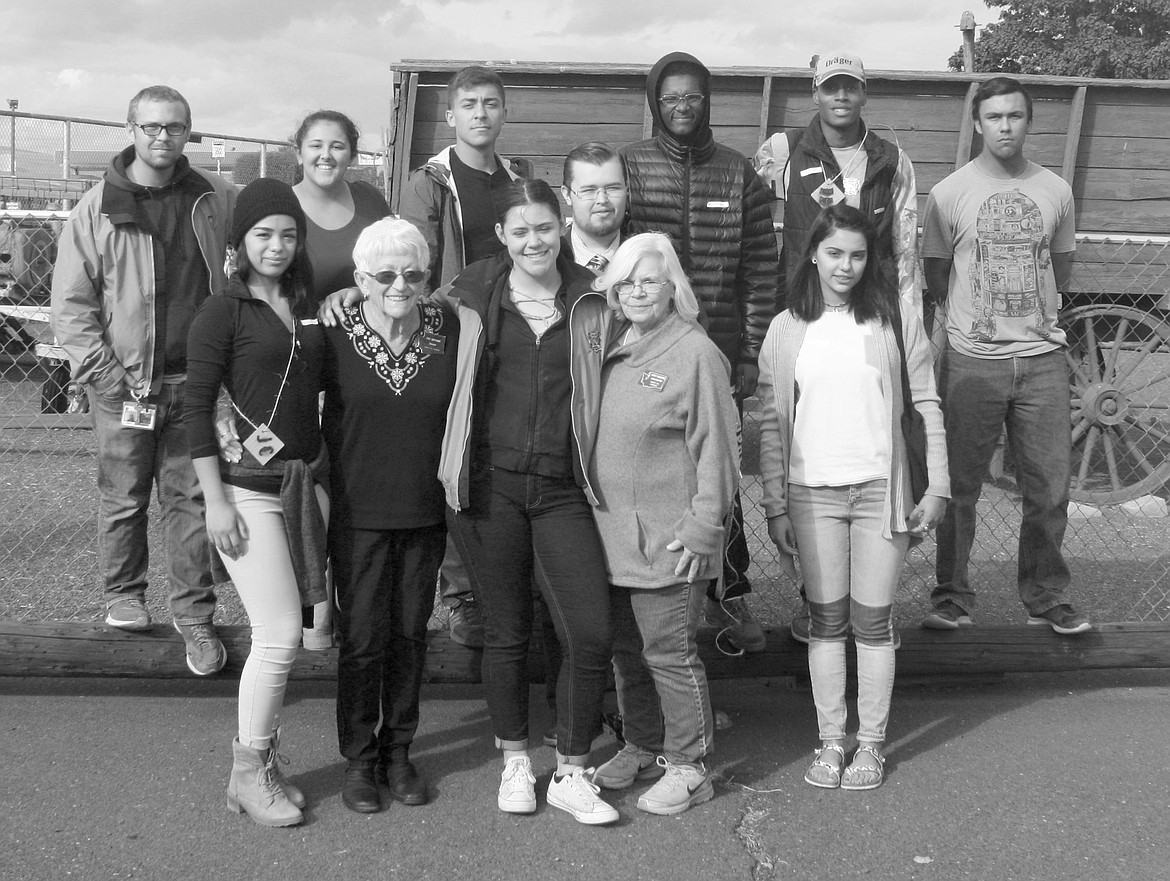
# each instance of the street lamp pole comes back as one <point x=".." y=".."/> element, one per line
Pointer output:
<point x="13" y="103"/>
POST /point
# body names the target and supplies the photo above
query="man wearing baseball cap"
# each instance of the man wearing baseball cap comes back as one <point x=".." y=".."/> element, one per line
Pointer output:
<point x="835" y="159"/>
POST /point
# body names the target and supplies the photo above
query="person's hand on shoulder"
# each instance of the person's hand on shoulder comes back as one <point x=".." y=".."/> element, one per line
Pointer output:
<point x="332" y="309"/>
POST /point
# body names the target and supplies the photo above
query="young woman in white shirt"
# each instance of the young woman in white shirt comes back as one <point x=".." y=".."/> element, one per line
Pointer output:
<point x="836" y="474"/>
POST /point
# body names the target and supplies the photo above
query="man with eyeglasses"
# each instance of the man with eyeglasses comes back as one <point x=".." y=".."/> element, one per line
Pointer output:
<point x="140" y="252"/>
<point x="707" y="198"/>
<point x="835" y="159"/>
<point x="595" y="191"/>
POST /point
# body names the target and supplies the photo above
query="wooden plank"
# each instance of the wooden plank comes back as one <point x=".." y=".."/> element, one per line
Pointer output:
<point x="1073" y="143"/>
<point x="765" y="103"/>
<point x="407" y="140"/>
<point x="966" y="129"/>
<point x="547" y="139"/>
<point x="443" y="69"/>
<point x="1105" y="151"/>
<point x="550" y="104"/>
<point x="87" y="649"/>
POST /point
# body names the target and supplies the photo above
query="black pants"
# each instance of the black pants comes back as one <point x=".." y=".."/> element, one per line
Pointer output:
<point x="521" y="527"/>
<point x="385" y="583"/>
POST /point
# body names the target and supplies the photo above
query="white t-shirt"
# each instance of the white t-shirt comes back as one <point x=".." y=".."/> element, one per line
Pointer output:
<point x="841" y="433"/>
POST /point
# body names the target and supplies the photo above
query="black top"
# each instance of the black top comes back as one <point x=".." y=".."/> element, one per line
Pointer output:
<point x="384" y="419"/>
<point x="477" y="206"/>
<point x="526" y="418"/>
<point x="331" y="250"/>
<point x="238" y="341"/>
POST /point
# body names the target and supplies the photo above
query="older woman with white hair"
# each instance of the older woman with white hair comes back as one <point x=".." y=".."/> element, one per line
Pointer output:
<point x="389" y="374"/>
<point x="665" y="468"/>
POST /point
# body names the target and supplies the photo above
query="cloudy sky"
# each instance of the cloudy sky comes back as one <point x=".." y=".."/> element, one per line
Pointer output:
<point x="255" y="67"/>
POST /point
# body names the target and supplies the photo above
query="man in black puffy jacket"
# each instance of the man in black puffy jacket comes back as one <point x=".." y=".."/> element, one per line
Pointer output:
<point x="708" y="199"/>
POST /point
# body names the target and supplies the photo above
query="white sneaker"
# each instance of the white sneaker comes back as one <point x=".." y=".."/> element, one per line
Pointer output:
<point x="517" y="787"/>
<point x="680" y="787"/>
<point x="575" y="794"/>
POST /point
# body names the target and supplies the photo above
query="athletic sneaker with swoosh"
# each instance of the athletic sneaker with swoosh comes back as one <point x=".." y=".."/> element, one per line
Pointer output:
<point x="681" y="786"/>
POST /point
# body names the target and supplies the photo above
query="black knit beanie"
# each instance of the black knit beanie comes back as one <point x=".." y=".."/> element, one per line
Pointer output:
<point x="260" y="199"/>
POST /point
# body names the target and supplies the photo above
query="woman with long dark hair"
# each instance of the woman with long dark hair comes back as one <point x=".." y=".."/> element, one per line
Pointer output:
<point x="519" y="433"/>
<point x="266" y="514"/>
<point x="836" y="473"/>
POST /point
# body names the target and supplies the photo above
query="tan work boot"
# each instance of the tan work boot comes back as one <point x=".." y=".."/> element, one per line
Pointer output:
<point x="254" y="788"/>
<point x="275" y="759"/>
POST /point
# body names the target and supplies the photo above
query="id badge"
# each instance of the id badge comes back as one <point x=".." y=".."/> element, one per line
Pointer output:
<point x="136" y="414"/>
<point x="432" y="343"/>
<point x="263" y="444"/>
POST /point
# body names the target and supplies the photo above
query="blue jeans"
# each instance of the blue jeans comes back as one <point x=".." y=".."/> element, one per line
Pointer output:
<point x="1030" y="395"/>
<point x="661" y="682"/>
<point x="851" y="575"/>
<point x="520" y="527"/>
<point x="130" y="462"/>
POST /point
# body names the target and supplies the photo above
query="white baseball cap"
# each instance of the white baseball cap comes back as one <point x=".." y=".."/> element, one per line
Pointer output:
<point x="839" y="63"/>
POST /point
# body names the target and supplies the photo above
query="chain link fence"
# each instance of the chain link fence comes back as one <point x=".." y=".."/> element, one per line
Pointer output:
<point x="48" y="162"/>
<point x="1117" y="541"/>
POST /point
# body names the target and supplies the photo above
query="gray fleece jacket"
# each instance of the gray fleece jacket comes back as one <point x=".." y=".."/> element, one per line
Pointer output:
<point x="666" y="461"/>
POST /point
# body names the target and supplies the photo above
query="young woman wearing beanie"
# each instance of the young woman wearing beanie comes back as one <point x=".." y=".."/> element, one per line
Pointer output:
<point x="266" y="514"/>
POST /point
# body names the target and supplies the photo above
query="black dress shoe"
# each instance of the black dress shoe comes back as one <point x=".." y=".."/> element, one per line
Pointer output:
<point x="359" y="792"/>
<point x="405" y="783"/>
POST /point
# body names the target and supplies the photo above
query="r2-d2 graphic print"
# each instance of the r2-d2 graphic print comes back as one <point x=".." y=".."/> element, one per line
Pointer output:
<point x="1011" y="260"/>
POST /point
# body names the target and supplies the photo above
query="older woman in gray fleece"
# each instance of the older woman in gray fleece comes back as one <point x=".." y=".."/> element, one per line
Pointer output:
<point x="665" y="469"/>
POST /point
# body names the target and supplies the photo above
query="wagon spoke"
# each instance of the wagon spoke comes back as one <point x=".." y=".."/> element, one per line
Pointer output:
<point x="1134" y="451"/>
<point x="1087" y="455"/>
<point x="1111" y="460"/>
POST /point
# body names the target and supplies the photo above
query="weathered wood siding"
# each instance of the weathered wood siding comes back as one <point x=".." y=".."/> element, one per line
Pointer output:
<point x="1111" y="137"/>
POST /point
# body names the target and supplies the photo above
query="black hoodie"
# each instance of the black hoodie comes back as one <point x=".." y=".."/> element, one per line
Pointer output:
<point x="707" y="198"/>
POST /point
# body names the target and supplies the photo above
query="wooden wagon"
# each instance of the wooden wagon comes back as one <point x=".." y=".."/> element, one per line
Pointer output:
<point x="1109" y="138"/>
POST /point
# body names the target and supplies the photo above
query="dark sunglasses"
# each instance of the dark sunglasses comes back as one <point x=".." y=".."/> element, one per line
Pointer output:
<point x="387" y="277"/>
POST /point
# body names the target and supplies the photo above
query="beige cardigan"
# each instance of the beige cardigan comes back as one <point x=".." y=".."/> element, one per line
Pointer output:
<point x="777" y="393"/>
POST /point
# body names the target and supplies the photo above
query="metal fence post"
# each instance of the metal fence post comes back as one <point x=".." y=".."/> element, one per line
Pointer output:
<point x="66" y="149"/>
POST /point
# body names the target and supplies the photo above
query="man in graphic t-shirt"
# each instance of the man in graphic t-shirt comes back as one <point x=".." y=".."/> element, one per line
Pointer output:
<point x="997" y="246"/>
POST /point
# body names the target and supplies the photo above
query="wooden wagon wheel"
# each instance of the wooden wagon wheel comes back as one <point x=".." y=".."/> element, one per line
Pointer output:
<point x="1119" y="370"/>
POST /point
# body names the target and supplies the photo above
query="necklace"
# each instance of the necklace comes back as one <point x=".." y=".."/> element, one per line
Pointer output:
<point x="545" y="307"/>
<point x="826" y="189"/>
<point x="836" y="307"/>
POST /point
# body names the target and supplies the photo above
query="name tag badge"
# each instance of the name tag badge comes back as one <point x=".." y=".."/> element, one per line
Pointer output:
<point x="432" y="343"/>
<point x="718" y="203"/>
<point x="653" y="381"/>
<point x="136" y="414"/>
<point x="263" y="444"/>
<point x="308" y="322"/>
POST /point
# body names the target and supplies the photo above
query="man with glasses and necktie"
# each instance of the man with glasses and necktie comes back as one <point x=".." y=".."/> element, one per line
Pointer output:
<point x="140" y="252"/>
<point x="710" y="202"/>
<point x="595" y="191"/>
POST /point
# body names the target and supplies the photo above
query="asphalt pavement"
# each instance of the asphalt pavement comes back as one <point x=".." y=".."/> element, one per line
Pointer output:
<point x="1055" y="776"/>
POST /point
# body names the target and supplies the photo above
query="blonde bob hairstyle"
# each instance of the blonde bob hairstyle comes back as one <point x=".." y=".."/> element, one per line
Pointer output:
<point x="632" y="250"/>
<point x="390" y="237"/>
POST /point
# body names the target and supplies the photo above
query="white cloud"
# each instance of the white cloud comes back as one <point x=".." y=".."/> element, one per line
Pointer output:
<point x="73" y="78"/>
